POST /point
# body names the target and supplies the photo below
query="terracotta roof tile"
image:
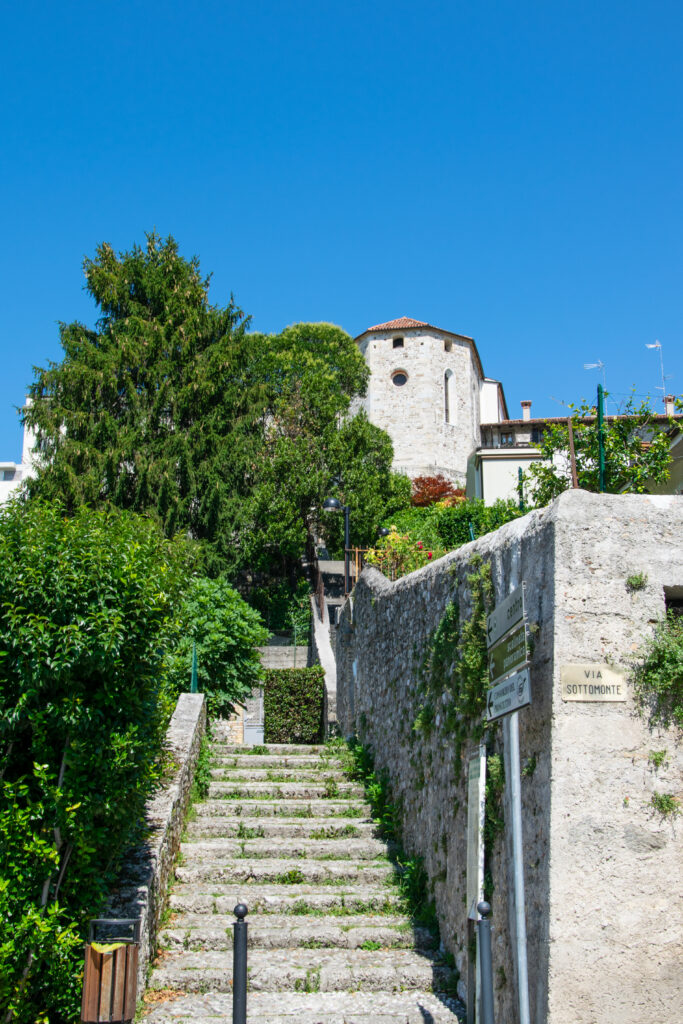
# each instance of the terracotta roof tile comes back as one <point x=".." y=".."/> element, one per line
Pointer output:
<point x="402" y="324"/>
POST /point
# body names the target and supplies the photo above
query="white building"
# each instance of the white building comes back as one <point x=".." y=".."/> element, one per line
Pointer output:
<point x="427" y="389"/>
<point x="12" y="473"/>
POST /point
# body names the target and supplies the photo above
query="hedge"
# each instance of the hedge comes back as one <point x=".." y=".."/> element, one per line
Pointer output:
<point x="87" y="608"/>
<point x="293" y="705"/>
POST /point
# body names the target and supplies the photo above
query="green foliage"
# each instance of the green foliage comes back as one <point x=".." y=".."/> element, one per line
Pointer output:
<point x="666" y="805"/>
<point x="637" y="581"/>
<point x="169" y="407"/>
<point x="293" y="705"/>
<point x="227" y="632"/>
<point x="455" y="662"/>
<point x="658" y="676"/>
<point x="202" y="774"/>
<point x="87" y="608"/>
<point x="412" y="877"/>
<point x="636" y="453"/>
<point x="398" y="554"/>
<point x="657" y="758"/>
<point x="437" y="528"/>
<point x="284" y="608"/>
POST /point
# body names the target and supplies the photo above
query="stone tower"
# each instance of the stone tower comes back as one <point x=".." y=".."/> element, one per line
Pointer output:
<point x="428" y="391"/>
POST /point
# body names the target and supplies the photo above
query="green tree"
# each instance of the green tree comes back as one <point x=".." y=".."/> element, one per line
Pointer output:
<point x="226" y="632"/>
<point x="172" y="409"/>
<point x="88" y="607"/>
<point x="143" y="411"/>
<point x="636" y="453"/>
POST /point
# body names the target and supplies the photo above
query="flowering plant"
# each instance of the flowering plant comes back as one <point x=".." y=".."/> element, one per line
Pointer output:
<point x="398" y="554"/>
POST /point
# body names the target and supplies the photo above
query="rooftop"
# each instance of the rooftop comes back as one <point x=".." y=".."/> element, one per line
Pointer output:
<point x="406" y="323"/>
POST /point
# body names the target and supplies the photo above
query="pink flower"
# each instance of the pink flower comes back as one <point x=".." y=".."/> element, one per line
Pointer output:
<point x="429" y="554"/>
<point x="419" y="545"/>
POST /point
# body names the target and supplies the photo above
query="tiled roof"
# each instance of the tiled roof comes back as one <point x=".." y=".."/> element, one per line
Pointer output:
<point x="402" y="324"/>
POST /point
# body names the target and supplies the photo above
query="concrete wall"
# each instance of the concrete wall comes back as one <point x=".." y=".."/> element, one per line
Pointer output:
<point x="602" y="871"/>
<point x="146" y="872"/>
<point x="284" y="657"/>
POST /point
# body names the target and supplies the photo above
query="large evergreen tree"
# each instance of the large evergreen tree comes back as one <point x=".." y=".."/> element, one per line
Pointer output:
<point x="171" y="408"/>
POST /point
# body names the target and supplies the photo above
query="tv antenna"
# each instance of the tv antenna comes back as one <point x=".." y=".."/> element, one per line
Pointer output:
<point x="665" y="377"/>
<point x="599" y="365"/>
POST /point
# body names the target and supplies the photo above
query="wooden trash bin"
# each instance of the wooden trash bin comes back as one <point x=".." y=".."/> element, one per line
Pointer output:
<point x="111" y="971"/>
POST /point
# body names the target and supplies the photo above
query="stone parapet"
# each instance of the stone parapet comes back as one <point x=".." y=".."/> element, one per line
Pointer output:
<point x="143" y="882"/>
<point x="600" y="866"/>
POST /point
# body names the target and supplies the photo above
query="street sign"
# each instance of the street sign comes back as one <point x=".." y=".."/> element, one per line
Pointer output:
<point x="506" y="615"/>
<point x="510" y="695"/>
<point x="510" y="654"/>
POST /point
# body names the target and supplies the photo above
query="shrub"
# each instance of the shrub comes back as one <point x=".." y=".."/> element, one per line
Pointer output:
<point x="227" y="632"/>
<point x="284" y="608"/>
<point x="293" y="705"/>
<point x="87" y="608"/>
<point x="399" y="554"/>
<point x="437" y="528"/>
<point x="427" y="490"/>
<point x="658" y="676"/>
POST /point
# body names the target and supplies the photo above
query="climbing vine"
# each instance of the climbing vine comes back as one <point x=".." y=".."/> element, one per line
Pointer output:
<point x="658" y="676"/>
<point x="455" y="664"/>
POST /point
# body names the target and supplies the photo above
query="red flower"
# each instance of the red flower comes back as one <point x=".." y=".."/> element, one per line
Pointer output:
<point x="429" y="554"/>
<point x="419" y="545"/>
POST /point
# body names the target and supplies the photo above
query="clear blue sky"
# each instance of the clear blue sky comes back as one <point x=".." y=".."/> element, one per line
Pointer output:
<point x="507" y="170"/>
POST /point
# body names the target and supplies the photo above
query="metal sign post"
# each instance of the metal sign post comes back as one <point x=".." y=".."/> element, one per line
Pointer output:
<point x="511" y="690"/>
<point x="476" y="817"/>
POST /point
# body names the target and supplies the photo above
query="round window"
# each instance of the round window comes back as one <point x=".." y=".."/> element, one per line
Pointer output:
<point x="400" y="378"/>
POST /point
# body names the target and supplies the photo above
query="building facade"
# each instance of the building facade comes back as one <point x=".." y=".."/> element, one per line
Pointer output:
<point x="427" y="389"/>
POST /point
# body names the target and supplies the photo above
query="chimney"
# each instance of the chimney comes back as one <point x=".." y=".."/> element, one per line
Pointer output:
<point x="526" y="410"/>
<point x="669" y="404"/>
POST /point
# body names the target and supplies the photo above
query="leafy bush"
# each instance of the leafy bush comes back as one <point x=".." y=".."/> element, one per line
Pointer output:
<point x="439" y="528"/>
<point x="398" y="554"/>
<point x="87" y="608"/>
<point x="427" y="490"/>
<point x="284" y="608"/>
<point x="293" y="705"/>
<point x="658" y="677"/>
<point x="227" y="632"/>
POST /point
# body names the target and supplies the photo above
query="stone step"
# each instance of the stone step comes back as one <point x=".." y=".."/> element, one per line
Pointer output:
<point x="305" y="970"/>
<point x="277" y="775"/>
<point x="284" y="790"/>
<point x="270" y="761"/>
<point x="287" y="872"/>
<point x="288" y="848"/>
<point x="351" y="810"/>
<point x="276" y="749"/>
<point x="311" y="1008"/>
<point x="294" y="900"/>
<point x="254" y="828"/>
<point x="285" y="931"/>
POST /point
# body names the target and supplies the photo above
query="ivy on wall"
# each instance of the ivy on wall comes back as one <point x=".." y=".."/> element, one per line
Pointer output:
<point x="293" y="705"/>
<point x="455" y="663"/>
<point x="658" y="676"/>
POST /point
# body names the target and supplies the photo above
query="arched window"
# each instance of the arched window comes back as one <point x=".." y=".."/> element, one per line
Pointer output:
<point x="449" y="396"/>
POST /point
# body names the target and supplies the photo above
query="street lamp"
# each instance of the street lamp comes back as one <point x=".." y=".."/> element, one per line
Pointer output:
<point x="335" y="505"/>
<point x="383" y="532"/>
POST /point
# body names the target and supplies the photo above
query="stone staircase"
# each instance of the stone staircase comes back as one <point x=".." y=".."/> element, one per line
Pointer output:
<point x="330" y="942"/>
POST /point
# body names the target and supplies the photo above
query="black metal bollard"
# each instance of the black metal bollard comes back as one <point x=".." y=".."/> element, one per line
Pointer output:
<point x="239" y="966"/>
<point x="485" y="963"/>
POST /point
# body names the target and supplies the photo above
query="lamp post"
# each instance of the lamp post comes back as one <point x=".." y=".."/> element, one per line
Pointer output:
<point x="335" y="505"/>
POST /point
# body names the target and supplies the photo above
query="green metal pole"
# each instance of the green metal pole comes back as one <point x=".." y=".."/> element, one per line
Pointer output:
<point x="472" y="533"/>
<point x="520" y="488"/>
<point x="193" y="681"/>
<point x="601" y="439"/>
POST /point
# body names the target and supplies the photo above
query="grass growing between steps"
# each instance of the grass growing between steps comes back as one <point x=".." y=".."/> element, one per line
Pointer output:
<point x="411" y="877"/>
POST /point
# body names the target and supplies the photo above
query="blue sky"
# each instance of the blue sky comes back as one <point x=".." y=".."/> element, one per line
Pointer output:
<point x="506" y="170"/>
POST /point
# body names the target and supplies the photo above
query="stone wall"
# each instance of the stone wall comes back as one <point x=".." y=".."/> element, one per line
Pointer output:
<point x="146" y="872"/>
<point x="602" y="872"/>
<point x="281" y="656"/>
<point x="414" y="414"/>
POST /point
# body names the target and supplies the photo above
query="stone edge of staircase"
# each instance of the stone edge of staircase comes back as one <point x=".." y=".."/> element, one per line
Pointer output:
<point x="142" y="886"/>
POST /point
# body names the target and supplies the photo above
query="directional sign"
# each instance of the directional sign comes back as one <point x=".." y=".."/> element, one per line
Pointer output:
<point x="510" y="695"/>
<point x="506" y="615"/>
<point x="511" y="653"/>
